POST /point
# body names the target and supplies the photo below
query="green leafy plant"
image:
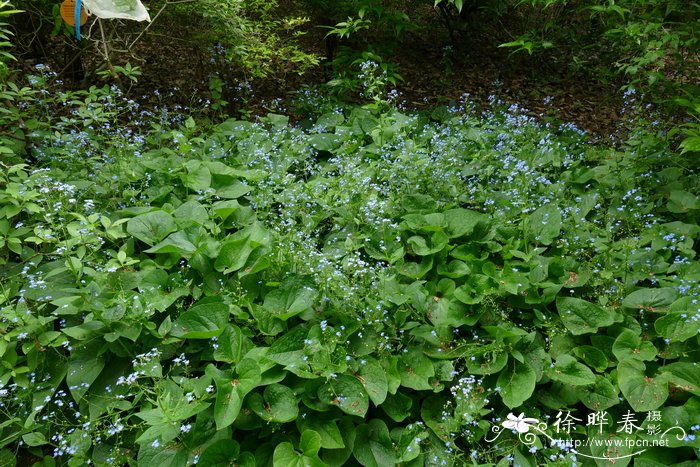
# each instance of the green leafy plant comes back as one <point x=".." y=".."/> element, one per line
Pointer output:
<point x="254" y="37"/>
<point x="374" y="287"/>
<point x="5" y="11"/>
<point x="369" y="75"/>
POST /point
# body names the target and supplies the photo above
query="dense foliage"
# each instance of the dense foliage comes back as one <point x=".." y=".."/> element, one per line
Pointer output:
<point x="368" y="287"/>
<point x="359" y="284"/>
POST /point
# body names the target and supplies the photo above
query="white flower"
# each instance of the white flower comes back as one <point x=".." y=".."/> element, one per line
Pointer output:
<point x="519" y="423"/>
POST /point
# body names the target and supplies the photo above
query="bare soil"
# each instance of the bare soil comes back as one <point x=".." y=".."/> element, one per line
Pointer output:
<point x="176" y="66"/>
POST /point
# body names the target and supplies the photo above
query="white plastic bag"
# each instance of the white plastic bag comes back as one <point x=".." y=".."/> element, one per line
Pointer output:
<point x="123" y="9"/>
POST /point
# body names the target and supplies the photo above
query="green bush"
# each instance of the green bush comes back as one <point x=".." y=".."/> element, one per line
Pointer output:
<point x="254" y="36"/>
<point x="5" y="34"/>
<point x="380" y="288"/>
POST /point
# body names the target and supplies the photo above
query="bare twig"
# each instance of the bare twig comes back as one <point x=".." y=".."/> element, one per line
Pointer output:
<point x="156" y="16"/>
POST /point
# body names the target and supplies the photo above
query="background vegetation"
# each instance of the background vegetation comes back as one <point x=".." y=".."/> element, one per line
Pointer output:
<point x="329" y="275"/>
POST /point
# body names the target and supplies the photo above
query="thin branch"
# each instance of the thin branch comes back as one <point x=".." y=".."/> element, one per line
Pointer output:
<point x="112" y="71"/>
<point x="155" y="17"/>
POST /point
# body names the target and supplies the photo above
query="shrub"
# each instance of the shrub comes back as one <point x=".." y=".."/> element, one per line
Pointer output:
<point x="380" y="286"/>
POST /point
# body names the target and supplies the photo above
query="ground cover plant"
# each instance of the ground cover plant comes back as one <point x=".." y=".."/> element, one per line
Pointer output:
<point x="369" y="286"/>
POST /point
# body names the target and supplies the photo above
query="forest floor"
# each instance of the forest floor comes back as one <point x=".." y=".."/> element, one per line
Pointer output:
<point x="176" y="69"/>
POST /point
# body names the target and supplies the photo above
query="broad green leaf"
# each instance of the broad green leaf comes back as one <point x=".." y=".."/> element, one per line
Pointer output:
<point x="690" y="144"/>
<point x="165" y="431"/>
<point x="433" y="222"/>
<point x="487" y="363"/>
<point x="232" y="345"/>
<point x="278" y="403"/>
<point x="415" y="270"/>
<point x="593" y="357"/>
<point x="513" y="282"/>
<point x="294" y="296"/>
<point x="158" y="194"/>
<point x="324" y="426"/>
<point x="398" y="406"/>
<point x="373" y="445"/>
<point x="259" y="235"/>
<point x="427" y="245"/>
<point x="677" y="326"/>
<point x="7" y="458"/>
<point x="286" y="456"/>
<point x="84" y="366"/>
<point x="220" y="453"/>
<point x="230" y="391"/>
<point x="258" y="260"/>
<point x="409" y="440"/>
<point x="310" y="443"/>
<point x="201" y="321"/>
<point x="346" y="393"/>
<point x="249" y="375"/>
<point x="445" y="311"/>
<point x="685" y="415"/>
<point x="177" y="242"/>
<point x="517" y="383"/>
<point x="233" y="190"/>
<point x="454" y="269"/>
<point x="416" y="202"/>
<point x="289" y="348"/>
<point x="650" y="299"/>
<point x="583" y="317"/>
<point x="682" y="201"/>
<point x="611" y="445"/>
<point x="266" y="323"/>
<point x="416" y="370"/>
<point x="685" y="375"/>
<point x="682" y="228"/>
<point x="373" y="378"/>
<point x="234" y="254"/>
<point x="149" y="367"/>
<point x="539" y="268"/>
<point x="223" y="209"/>
<point x="460" y="222"/>
<point x="475" y="289"/>
<point x="330" y="120"/>
<point x="505" y="331"/>
<point x="35" y="439"/>
<point x="643" y="393"/>
<point x="630" y="345"/>
<point x="98" y="404"/>
<point x="568" y="370"/>
<point x="196" y="176"/>
<point x="543" y="225"/>
<point x="324" y="141"/>
<point x="84" y="331"/>
<point x="270" y="373"/>
<point x="151" y="227"/>
<point x="598" y="396"/>
<point x="228" y="403"/>
<point x="151" y="455"/>
<point x="191" y="212"/>
<point x="183" y="410"/>
<point x="521" y="460"/>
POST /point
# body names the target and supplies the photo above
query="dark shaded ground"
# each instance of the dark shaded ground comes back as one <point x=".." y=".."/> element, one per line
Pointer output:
<point x="484" y="70"/>
<point x="178" y="65"/>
